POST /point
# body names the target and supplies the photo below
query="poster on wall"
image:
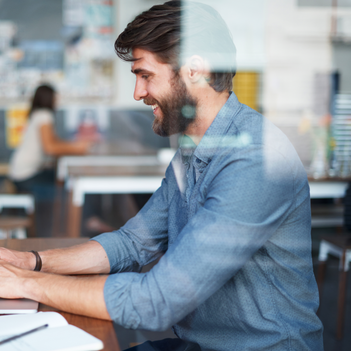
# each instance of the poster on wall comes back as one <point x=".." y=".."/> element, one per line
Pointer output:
<point x="89" y="53"/>
<point x="16" y="121"/>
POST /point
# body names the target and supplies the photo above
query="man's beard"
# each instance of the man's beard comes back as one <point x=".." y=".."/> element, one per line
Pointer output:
<point x="178" y="109"/>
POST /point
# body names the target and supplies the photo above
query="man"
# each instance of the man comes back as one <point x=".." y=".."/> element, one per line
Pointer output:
<point x="231" y="218"/>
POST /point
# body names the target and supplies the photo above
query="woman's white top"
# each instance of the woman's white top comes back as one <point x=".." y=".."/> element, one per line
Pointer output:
<point x="29" y="158"/>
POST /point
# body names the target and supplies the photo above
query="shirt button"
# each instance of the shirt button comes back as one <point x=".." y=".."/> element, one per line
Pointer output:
<point x="198" y="160"/>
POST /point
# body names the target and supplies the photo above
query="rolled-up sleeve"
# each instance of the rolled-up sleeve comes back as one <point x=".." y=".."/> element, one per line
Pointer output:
<point x="242" y="207"/>
<point x="142" y="239"/>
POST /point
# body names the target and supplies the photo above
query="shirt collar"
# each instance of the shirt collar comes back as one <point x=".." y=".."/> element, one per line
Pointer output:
<point x="214" y="134"/>
<point x="187" y="147"/>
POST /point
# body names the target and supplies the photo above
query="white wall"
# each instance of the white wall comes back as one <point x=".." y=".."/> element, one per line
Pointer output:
<point x="246" y="22"/>
<point x="297" y="47"/>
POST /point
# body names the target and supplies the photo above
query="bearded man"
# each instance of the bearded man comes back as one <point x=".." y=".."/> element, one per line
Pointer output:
<point x="231" y="219"/>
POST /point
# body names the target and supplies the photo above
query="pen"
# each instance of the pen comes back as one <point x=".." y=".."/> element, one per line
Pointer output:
<point x="23" y="334"/>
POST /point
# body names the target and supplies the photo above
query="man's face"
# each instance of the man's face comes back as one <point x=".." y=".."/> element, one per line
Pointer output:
<point x="159" y="86"/>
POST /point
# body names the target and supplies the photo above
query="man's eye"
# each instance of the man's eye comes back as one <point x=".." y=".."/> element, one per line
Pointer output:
<point x="145" y="76"/>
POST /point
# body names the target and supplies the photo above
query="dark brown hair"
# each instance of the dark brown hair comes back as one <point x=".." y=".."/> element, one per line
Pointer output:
<point x="44" y="97"/>
<point x="174" y="31"/>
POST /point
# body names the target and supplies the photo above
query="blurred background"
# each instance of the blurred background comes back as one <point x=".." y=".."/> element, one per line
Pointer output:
<point x="293" y="66"/>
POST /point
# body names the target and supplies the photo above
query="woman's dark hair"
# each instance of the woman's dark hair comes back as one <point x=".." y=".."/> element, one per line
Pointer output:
<point x="44" y="97"/>
<point x="174" y="31"/>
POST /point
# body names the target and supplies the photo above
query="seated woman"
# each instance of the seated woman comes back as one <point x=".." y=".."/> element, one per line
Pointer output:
<point x="28" y="164"/>
<point x="31" y="164"/>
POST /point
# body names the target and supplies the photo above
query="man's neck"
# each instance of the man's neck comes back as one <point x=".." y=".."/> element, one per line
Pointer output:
<point x="210" y="103"/>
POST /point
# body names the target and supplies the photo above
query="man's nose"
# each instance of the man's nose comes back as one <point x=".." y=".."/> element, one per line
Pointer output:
<point x="140" y="91"/>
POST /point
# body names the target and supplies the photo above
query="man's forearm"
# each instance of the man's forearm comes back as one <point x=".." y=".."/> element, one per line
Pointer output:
<point x="80" y="295"/>
<point x="87" y="258"/>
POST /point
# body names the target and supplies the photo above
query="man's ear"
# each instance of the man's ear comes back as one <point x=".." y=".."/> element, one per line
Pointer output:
<point x="198" y="69"/>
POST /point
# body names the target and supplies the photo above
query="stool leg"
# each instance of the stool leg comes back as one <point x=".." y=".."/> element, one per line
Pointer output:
<point x="31" y="229"/>
<point x="320" y="279"/>
<point x="341" y="299"/>
<point x="57" y="211"/>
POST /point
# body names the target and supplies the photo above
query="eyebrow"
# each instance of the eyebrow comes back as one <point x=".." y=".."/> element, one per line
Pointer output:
<point x="141" y="71"/>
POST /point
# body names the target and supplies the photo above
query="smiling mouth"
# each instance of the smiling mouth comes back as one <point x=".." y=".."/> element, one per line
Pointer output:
<point x="152" y="103"/>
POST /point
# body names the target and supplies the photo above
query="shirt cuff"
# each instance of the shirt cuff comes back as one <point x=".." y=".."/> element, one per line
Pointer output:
<point x="106" y="241"/>
<point x="118" y="302"/>
<point x="117" y="252"/>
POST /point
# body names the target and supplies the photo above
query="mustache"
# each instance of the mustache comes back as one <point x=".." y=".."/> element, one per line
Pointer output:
<point x="150" y="101"/>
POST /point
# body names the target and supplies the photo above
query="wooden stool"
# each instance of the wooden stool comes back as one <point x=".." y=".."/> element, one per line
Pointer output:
<point x="25" y="201"/>
<point x="339" y="246"/>
<point x="9" y="224"/>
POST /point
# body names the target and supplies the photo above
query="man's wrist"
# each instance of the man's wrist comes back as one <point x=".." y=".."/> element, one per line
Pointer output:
<point x="30" y="287"/>
<point x="31" y="261"/>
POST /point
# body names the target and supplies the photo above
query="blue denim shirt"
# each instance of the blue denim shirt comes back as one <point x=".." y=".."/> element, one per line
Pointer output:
<point x="232" y="218"/>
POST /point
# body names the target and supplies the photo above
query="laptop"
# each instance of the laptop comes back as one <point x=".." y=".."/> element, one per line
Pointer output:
<point x="18" y="306"/>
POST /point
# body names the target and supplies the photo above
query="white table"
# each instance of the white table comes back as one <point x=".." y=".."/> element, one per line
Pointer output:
<point x="99" y="161"/>
<point x="126" y="179"/>
<point x="132" y="182"/>
<point x="98" y="174"/>
<point x="148" y="184"/>
<point x="324" y="189"/>
<point x="25" y="201"/>
<point x="112" y="185"/>
<point x="327" y="189"/>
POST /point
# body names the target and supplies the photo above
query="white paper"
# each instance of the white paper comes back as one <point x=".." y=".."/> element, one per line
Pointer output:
<point x="59" y="336"/>
<point x="66" y="338"/>
<point x="16" y="324"/>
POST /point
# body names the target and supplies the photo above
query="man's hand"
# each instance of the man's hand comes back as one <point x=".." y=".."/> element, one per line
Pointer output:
<point x="11" y="280"/>
<point x="80" y="295"/>
<point x="25" y="260"/>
